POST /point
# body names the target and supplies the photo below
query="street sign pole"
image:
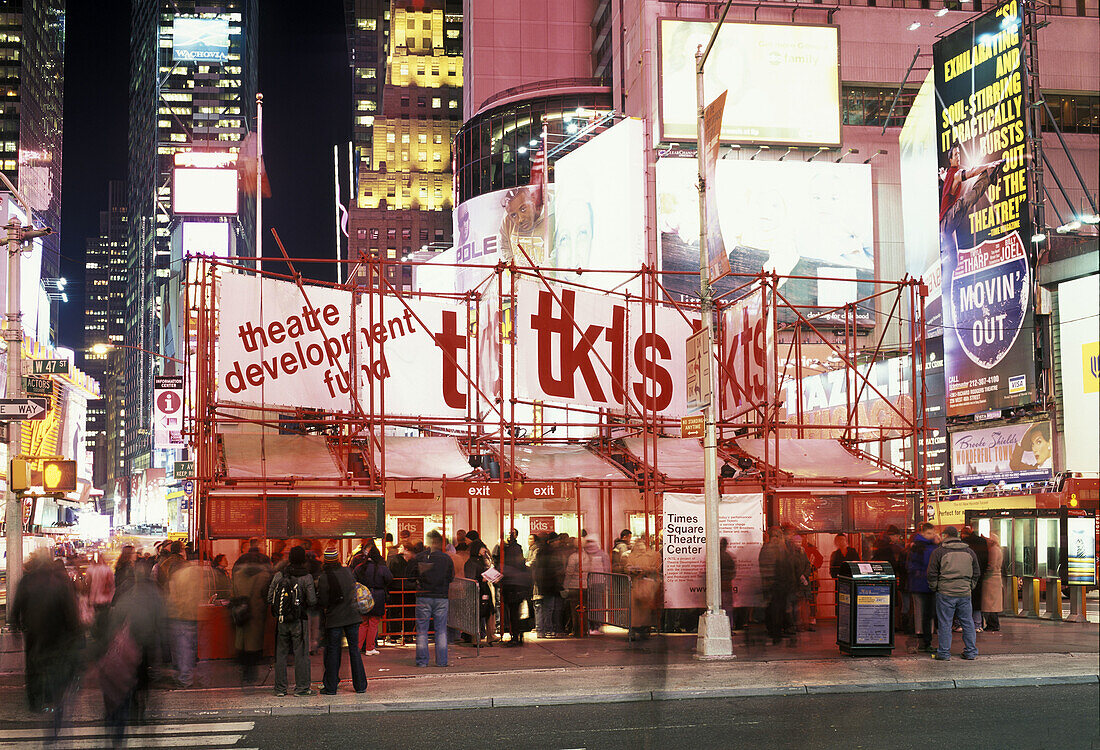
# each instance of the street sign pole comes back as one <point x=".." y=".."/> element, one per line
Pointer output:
<point x="13" y="511"/>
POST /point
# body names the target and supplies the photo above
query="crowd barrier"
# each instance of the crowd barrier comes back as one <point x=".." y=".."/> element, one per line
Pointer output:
<point x="463" y="613"/>
<point x="607" y="599"/>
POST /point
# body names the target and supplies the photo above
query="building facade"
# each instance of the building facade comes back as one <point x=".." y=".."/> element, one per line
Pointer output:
<point x="192" y="88"/>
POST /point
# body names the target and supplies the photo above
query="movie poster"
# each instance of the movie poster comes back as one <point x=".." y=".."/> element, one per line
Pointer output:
<point x="983" y="214"/>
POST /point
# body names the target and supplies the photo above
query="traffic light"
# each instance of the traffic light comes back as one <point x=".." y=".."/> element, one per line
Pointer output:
<point x="19" y="475"/>
<point x="59" y="476"/>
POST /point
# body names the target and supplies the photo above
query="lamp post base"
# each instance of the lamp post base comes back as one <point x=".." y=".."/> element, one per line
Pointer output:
<point x="714" y="637"/>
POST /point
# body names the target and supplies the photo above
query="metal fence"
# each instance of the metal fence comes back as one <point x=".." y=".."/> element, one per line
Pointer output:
<point x="463" y="610"/>
<point x="607" y="599"/>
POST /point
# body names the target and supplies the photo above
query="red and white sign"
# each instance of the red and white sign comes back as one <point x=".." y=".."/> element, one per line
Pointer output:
<point x="748" y="353"/>
<point x="541" y="524"/>
<point x="168" y="412"/>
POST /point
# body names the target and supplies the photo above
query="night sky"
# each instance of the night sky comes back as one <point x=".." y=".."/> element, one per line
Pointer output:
<point x="306" y="83"/>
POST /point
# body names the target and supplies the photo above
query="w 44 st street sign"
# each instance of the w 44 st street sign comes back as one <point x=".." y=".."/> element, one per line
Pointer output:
<point x="15" y="409"/>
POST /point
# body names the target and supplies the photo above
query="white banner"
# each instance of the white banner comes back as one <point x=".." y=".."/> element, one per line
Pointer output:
<point x="748" y="346"/>
<point x="581" y="348"/>
<point x="740" y="520"/>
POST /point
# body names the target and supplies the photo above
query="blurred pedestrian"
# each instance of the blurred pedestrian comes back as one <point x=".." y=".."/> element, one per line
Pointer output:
<point x="547" y="573"/>
<point x="433" y="571"/>
<point x="953" y="574"/>
<point x="993" y="586"/>
<point x="778" y="581"/>
<point x="477" y="564"/>
<point x="291" y="595"/>
<point x="223" y="586"/>
<point x="980" y="545"/>
<point x="375" y="575"/>
<point x="190" y="587"/>
<point x="589" y="559"/>
<point x="517" y="588"/>
<point x="251" y="578"/>
<point x="727" y="565"/>
<point x="620" y="550"/>
<point x="842" y="554"/>
<point x="100" y="583"/>
<point x="44" y="610"/>
<point x="922" y="599"/>
<point x="124" y="569"/>
<point x="336" y="596"/>
<point x="402" y="592"/>
<point x="643" y="565"/>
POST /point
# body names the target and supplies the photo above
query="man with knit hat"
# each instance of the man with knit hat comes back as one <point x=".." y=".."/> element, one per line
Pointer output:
<point x="291" y="596"/>
<point x="336" y="595"/>
<point x="953" y="573"/>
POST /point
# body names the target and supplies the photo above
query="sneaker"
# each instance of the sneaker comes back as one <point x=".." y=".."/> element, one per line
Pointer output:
<point x="328" y="692"/>
<point x="937" y="657"/>
<point x="307" y="691"/>
<point x="280" y="693"/>
<point x="979" y="630"/>
<point x="372" y="652"/>
<point x="970" y="658"/>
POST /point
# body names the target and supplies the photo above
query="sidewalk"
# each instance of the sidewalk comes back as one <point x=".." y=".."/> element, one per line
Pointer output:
<point x="607" y="668"/>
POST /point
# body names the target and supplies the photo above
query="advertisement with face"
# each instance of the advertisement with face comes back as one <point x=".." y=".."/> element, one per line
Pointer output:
<point x="753" y="61"/>
<point x="988" y="312"/>
<point x="1010" y="453"/>
<point x="1079" y="354"/>
<point x="794" y="218"/>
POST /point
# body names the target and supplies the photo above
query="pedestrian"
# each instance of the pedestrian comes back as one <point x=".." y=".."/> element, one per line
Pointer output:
<point x="777" y="582"/>
<point x="921" y="596"/>
<point x="44" y="609"/>
<point x="842" y="554"/>
<point x="433" y="571"/>
<point x="375" y="575"/>
<point x="547" y="573"/>
<point x="620" y="550"/>
<point x="124" y="569"/>
<point x="100" y="582"/>
<point x="291" y="595"/>
<point x="801" y="575"/>
<point x="251" y="578"/>
<point x="190" y="586"/>
<point x="517" y="588"/>
<point x="888" y="549"/>
<point x="589" y="559"/>
<point x="643" y="565"/>
<point x="953" y="574"/>
<point x="993" y="586"/>
<point x="727" y="565"/>
<point x="816" y="559"/>
<point x="169" y="563"/>
<point x="980" y="545"/>
<point x="477" y="564"/>
<point x="223" y="585"/>
<point x="336" y="596"/>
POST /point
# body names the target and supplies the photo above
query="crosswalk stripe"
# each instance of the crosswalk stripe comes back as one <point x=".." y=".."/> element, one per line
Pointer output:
<point x="95" y="731"/>
<point x="92" y="743"/>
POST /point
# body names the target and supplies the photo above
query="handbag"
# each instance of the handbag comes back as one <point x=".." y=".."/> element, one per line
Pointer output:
<point x="118" y="668"/>
<point x="239" y="611"/>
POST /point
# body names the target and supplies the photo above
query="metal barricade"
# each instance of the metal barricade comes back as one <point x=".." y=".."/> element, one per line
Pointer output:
<point x="607" y="599"/>
<point x="399" y="620"/>
<point x="463" y="610"/>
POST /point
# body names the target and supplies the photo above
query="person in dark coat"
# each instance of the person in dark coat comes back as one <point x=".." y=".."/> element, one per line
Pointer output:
<point x="980" y="545"/>
<point x="124" y="569"/>
<point x="478" y="563"/>
<point x="922" y="600"/>
<point x="777" y="579"/>
<point x="516" y="587"/>
<point x="250" y="582"/>
<point x="376" y="576"/>
<point x="548" y="570"/>
<point x="44" y="610"/>
<point x="336" y="596"/>
<point x="842" y="554"/>
<point x="292" y="627"/>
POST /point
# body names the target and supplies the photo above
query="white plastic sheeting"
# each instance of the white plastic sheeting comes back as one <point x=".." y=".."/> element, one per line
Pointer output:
<point x="423" y="458"/>
<point x="250" y="455"/>
<point x="678" y="459"/>
<point x="562" y="463"/>
<point x="816" y="458"/>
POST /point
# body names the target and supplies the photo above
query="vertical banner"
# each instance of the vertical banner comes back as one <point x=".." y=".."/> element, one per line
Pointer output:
<point x="698" y="370"/>
<point x="748" y="351"/>
<point x="718" y="262"/>
<point x="988" y="313"/>
<point x="167" y="412"/>
<point x="740" y="520"/>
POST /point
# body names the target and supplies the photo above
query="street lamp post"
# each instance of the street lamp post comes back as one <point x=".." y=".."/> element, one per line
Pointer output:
<point x="714" y="637"/>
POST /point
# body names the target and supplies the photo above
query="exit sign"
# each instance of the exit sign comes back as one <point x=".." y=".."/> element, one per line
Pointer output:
<point x="50" y="367"/>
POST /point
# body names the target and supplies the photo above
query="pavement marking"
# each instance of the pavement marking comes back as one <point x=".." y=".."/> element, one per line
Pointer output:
<point x="148" y="741"/>
<point x="95" y="731"/>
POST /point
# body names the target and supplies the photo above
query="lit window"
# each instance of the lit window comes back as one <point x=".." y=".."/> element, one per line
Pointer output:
<point x="452" y="104"/>
<point x="436" y="103"/>
<point x="404" y="70"/>
<point x="437" y="156"/>
<point x="404" y="137"/>
<point x="438" y="138"/>
<point x="422" y="138"/>
<point x="391" y="137"/>
<point x="422" y="156"/>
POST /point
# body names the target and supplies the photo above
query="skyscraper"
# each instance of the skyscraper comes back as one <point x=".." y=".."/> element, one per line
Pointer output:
<point x="192" y="88"/>
<point x="407" y="84"/>
<point x="32" y="56"/>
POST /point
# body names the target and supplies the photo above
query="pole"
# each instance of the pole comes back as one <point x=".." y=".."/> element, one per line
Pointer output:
<point x="259" y="182"/>
<point x="13" y="511"/>
<point x="714" y="641"/>
<point x="336" y="206"/>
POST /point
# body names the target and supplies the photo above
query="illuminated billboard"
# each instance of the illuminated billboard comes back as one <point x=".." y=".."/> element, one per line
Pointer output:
<point x="1010" y="453"/>
<point x="783" y="81"/>
<point x="984" y="222"/>
<point x="1079" y="360"/>
<point x="200" y="40"/>
<point x="807" y="219"/>
<point x="920" y="200"/>
<point x="206" y="238"/>
<point x="204" y="191"/>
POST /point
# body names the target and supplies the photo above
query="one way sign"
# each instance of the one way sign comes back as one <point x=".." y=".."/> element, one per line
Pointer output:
<point x="15" y="409"/>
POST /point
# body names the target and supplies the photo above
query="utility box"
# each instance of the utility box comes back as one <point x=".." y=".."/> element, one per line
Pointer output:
<point x="865" y="609"/>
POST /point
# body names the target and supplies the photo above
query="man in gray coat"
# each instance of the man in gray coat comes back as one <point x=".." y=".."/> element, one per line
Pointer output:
<point x="953" y="573"/>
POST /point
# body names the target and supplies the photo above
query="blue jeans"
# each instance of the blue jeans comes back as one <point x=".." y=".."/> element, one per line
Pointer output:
<point x="431" y="610"/>
<point x="548" y="614"/>
<point x="333" y="636"/>
<point x="947" y="608"/>
<point x="185" y="643"/>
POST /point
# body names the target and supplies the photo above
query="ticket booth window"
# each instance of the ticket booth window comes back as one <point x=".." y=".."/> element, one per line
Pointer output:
<point x="419" y="526"/>
<point x="636" y="522"/>
<point x="543" y="523"/>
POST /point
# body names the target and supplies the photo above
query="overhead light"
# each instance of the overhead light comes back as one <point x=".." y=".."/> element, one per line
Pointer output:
<point x="1090" y="218"/>
<point x="533" y="143"/>
<point x="522" y="149"/>
<point x="1069" y="226"/>
<point x="62" y="282"/>
<point x="817" y="153"/>
<point x="941" y="12"/>
<point x="1038" y="237"/>
<point x="914" y="26"/>
<point x="762" y="148"/>
<point x="850" y="151"/>
<point x="784" y="156"/>
<point x="571" y="127"/>
<point x="880" y="152"/>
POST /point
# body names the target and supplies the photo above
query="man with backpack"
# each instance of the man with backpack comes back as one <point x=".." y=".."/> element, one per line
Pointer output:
<point x="337" y="596"/>
<point x="291" y="596"/>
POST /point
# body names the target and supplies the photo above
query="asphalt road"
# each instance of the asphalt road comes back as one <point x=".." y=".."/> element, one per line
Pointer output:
<point x="1061" y="717"/>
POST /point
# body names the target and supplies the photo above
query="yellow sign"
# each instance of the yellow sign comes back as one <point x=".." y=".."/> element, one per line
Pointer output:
<point x="866" y="599"/>
<point x="1090" y="366"/>
<point x="953" y="512"/>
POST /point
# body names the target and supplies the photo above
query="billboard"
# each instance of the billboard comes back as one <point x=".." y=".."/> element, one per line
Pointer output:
<point x="1009" y="453"/>
<point x="920" y="198"/>
<point x="204" y="191"/>
<point x="205" y="238"/>
<point x="1079" y="360"/>
<point x="985" y="229"/>
<point x="805" y="219"/>
<point x="200" y="40"/>
<point x="782" y="80"/>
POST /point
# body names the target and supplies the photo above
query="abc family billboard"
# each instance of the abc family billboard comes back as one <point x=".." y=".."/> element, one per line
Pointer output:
<point x="988" y="314"/>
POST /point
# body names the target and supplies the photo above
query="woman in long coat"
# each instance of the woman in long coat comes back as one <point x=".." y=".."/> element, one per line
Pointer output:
<point x="250" y="581"/>
<point x="644" y="567"/>
<point x="993" y="586"/>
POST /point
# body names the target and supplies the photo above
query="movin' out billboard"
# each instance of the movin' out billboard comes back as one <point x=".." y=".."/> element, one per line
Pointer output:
<point x="988" y="313"/>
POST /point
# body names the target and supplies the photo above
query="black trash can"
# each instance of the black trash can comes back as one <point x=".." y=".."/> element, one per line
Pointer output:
<point x="865" y="609"/>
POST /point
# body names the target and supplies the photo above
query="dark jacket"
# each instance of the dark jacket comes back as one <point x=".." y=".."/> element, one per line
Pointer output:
<point x="916" y="564"/>
<point x="836" y="562"/>
<point x="376" y="576"/>
<point x="433" y="571"/>
<point x="548" y="569"/>
<point x="518" y="582"/>
<point x="953" y="569"/>
<point x="304" y="579"/>
<point x="335" y="582"/>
